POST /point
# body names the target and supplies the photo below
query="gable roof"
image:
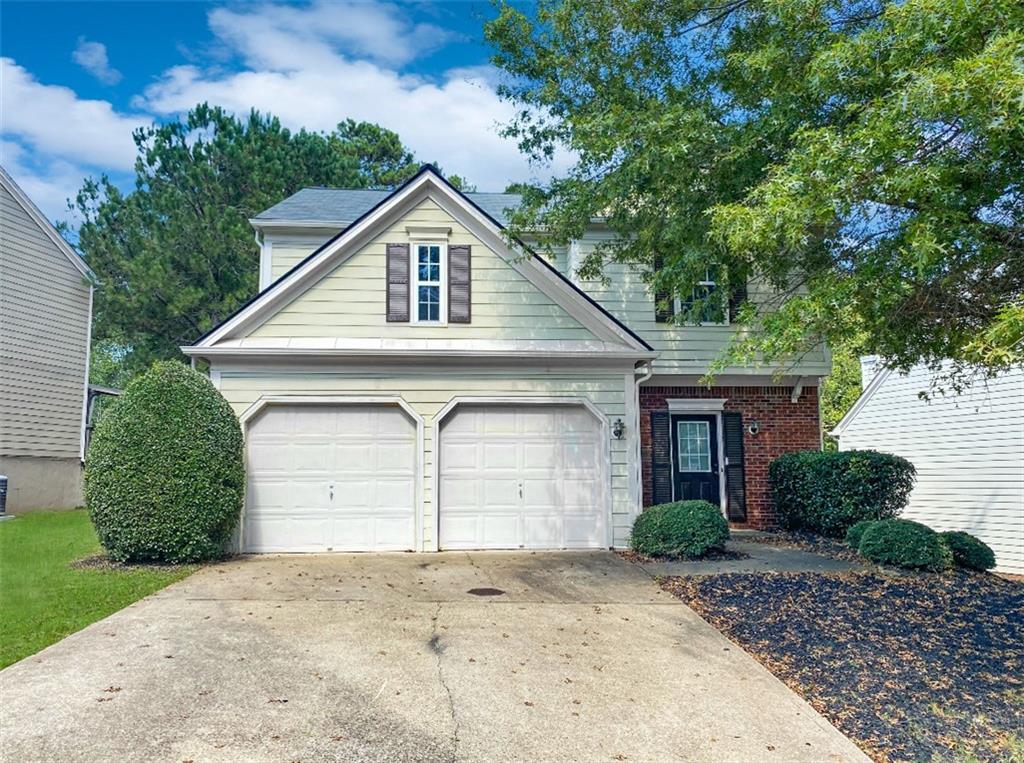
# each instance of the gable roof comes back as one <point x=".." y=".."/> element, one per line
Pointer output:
<point x="334" y="207"/>
<point x="876" y="381"/>
<point x="332" y="253"/>
<point x="45" y="225"/>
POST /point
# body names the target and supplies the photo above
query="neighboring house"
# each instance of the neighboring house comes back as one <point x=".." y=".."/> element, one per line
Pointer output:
<point x="968" y="450"/>
<point x="45" y="327"/>
<point x="407" y="380"/>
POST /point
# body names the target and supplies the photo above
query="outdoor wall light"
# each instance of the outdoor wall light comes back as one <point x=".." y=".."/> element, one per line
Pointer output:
<point x="618" y="429"/>
<point x="753" y="427"/>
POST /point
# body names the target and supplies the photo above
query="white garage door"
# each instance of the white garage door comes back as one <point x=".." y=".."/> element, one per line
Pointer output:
<point x="331" y="478"/>
<point x="521" y="477"/>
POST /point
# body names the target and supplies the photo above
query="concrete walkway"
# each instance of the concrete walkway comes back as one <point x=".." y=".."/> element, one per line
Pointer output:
<point x="448" y="657"/>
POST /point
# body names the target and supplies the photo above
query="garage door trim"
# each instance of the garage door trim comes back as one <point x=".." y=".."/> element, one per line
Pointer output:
<point x="250" y="413"/>
<point x="455" y="402"/>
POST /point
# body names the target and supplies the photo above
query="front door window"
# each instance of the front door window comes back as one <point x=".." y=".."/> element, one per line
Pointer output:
<point x="695" y="465"/>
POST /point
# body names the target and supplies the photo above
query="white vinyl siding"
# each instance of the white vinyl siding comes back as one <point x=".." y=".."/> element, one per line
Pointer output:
<point x="44" y="329"/>
<point x="350" y="302"/>
<point x="682" y="349"/>
<point x="428" y="391"/>
<point x="968" y="451"/>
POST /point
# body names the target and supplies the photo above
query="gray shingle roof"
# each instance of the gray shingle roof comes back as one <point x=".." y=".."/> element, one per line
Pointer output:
<point x="343" y="205"/>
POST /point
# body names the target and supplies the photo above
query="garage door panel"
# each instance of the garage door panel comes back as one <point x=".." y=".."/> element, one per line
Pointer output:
<point x="317" y="482"/>
<point x="526" y="476"/>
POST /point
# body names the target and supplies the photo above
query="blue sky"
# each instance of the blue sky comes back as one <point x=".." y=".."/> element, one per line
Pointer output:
<point x="79" y="77"/>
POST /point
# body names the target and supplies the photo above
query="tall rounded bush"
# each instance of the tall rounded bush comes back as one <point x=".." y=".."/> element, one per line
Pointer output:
<point x="683" y="528"/>
<point x="164" y="476"/>
<point x="828" y="493"/>
<point x="903" y="543"/>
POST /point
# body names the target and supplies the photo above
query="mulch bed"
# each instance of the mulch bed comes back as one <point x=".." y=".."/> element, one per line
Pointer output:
<point x="916" y="667"/>
<point x="102" y="562"/>
<point x="816" y="544"/>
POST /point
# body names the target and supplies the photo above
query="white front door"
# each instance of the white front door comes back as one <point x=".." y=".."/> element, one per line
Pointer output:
<point x="330" y="478"/>
<point x="522" y="476"/>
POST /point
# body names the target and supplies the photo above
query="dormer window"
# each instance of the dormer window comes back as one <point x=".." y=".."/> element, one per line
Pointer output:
<point x="428" y="286"/>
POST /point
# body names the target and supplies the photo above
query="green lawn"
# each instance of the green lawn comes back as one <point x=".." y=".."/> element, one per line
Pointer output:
<point x="42" y="599"/>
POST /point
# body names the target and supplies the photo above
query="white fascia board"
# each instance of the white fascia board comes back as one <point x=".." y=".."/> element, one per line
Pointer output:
<point x="858" y="406"/>
<point x="47" y="227"/>
<point x="259" y="224"/>
<point x="427" y="185"/>
<point x="413" y="356"/>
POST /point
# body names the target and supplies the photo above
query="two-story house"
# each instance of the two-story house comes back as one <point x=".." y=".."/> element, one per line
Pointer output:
<point x="406" y="379"/>
<point x="46" y="294"/>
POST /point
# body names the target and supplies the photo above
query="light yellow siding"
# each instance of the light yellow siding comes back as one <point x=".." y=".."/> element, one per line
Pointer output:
<point x="682" y="349"/>
<point x="427" y="392"/>
<point x="350" y="302"/>
<point x="44" y="328"/>
<point x="287" y="252"/>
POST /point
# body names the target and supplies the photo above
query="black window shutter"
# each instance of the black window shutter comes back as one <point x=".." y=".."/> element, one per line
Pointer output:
<point x="459" y="283"/>
<point x="661" y="457"/>
<point x="735" y="489"/>
<point x="664" y="305"/>
<point x="737" y="298"/>
<point x="398" y="283"/>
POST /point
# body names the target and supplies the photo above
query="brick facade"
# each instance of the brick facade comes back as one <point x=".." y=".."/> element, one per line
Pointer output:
<point x="784" y="427"/>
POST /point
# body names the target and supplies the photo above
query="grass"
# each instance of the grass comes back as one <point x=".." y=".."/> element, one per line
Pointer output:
<point x="43" y="599"/>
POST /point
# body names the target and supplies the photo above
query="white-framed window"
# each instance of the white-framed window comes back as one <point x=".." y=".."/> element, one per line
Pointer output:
<point x="429" y="297"/>
<point x="705" y="290"/>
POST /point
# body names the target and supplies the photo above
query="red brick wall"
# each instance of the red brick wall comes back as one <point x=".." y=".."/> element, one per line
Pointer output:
<point x="784" y="427"/>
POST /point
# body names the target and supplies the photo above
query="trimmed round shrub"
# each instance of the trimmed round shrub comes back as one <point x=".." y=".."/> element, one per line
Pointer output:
<point x="683" y="528"/>
<point x="827" y="493"/>
<point x="855" y="533"/>
<point x="968" y="551"/>
<point x="164" y="476"/>
<point x="903" y="543"/>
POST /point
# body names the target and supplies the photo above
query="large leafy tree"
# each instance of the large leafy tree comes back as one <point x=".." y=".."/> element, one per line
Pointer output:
<point x="176" y="255"/>
<point x="864" y="157"/>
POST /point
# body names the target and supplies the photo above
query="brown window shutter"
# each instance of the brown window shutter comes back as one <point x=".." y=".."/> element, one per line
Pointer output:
<point x="398" y="283"/>
<point x="661" y="457"/>
<point x="664" y="304"/>
<point x="735" y="489"/>
<point x="460" y="290"/>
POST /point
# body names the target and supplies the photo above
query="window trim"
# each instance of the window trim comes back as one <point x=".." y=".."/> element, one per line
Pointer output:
<point x="677" y="302"/>
<point x="415" y="283"/>
<point x="707" y="439"/>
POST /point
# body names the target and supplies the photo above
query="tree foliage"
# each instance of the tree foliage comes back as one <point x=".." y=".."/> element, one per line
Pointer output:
<point x="863" y="158"/>
<point x="176" y="255"/>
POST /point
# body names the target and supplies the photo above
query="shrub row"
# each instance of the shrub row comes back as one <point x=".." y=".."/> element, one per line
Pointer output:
<point x="904" y="543"/>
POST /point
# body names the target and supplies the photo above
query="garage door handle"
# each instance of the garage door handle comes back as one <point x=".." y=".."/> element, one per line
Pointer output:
<point x="330" y="492"/>
<point x="520" y="489"/>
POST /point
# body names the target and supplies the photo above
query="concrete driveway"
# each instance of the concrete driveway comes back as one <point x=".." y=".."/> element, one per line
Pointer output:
<point x="392" y="658"/>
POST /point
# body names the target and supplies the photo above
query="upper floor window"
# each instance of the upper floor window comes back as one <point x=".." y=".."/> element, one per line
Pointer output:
<point x="706" y="291"/>
<point x="428" y="292"/>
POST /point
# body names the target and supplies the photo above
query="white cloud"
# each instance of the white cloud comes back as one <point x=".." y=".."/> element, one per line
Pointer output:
<point x="54" y="122"/>
<point x="92" y="56"/>
<point x="50" y="184"/>
<point x="301" y="70"/>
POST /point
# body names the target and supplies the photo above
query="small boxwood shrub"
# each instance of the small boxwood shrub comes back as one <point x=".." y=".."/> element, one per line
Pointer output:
<point x="903" y="543"/>
<point x="164" y="476"/>
<point x="968" y="551"/>
<point x="828" y="493"/>
<point x="683" y="528"/>
<point x="855" y="533"/>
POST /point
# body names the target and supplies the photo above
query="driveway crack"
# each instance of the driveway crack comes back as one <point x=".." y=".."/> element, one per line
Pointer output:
<point x="438" y="649"/>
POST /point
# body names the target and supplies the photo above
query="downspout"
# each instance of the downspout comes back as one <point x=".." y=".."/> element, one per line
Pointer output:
<point x="637" y="381"/>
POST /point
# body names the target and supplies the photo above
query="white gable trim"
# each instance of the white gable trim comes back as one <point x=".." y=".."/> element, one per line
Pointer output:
<point x="45" y="225"/>
<point x="878" y="380"/>
<point x="426" y="185"/>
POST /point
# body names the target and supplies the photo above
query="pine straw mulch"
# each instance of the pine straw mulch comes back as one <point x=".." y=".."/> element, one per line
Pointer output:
<point x="711" y="556"/>
<point x="917" y="667"/>
<point x="103" y="562"/>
